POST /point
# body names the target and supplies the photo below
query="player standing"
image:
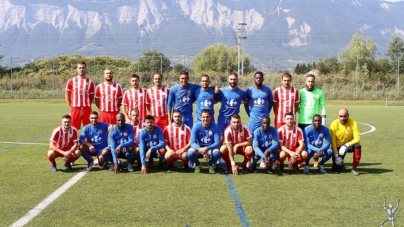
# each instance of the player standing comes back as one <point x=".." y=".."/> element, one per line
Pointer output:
<point x="134" y="98"/>
<point x="151" y="143"/>
<point x="318" y="142"/>
<point x="177" y="136"/>
<point x="156" y="101"/>
<point x="265" y="145"/>
<point x="205" y="98"/>
<point x="63" y="143"/>
<point x="108" y="98"/>
<point x="286" y="99"/>
<point x="181" y="98"/>
<point x="93" y="139"/>
<point x="345" y="137"/>
<point x="79" y="96"/>
<point x="238" y="140"/>
<point x="291" y="143"/>
<point x="259" y="103"/>
<point x="205" y="142"/>
<point x="312" y="102"/>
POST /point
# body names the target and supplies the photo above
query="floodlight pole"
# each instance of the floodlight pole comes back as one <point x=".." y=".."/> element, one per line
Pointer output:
<point x="398" y="77"/>
<point x="241" y="35"/>
<point x="357" y="76"/>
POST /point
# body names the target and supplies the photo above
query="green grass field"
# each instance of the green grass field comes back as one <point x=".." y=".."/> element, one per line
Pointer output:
<point x="101" y="198"/>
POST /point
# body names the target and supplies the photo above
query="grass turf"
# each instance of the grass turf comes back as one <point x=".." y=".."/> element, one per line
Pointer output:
<point x="178" y="198"/>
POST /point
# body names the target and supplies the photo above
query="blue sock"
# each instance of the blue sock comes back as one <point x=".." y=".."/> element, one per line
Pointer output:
<point x="193" y="158"/>
<point x="129" y="157"/>
<point x="86" y="157"/>
<point x="216" y="155"/>
<point x="327" y="156"/>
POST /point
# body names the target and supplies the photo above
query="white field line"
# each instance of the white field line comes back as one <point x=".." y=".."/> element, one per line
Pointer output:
<point x="24" y="143"/>
<point x="372" y="128"/>
<point x="50" y="199"/>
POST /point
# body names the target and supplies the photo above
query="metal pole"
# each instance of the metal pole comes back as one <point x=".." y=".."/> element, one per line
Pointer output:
<point x="53" y="70"/>
<point x="95" y="69"/>
<point x="161" y="64"/>
<point x="398" y="78"/>
<point x="356" y="76"/>
<point x="238" y="60"/>
<point x="138" y="63"/>
<point x="11" y="75"/>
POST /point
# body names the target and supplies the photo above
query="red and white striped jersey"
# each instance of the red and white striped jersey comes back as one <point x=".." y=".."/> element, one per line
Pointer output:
<point x="157" y="99"/>
<point x="64" y="140"/>
<point x="290" y="138"/>
<point x="136" y="99"/>
<point x="286" y="102"/>
<point x="80" y="90"/>
<point x="136" y="131"/>
<point x="108" y="96"/>
<point x="177" y="137"/>
<point x="235" y="137"/>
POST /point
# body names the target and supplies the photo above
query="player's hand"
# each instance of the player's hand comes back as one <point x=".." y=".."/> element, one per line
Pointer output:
<point x="144" y="170"/>
<point x="234" y="169"/>
<point x="116" y="152"/>
<point x="110" y="128"/>
<point x="203" y="150"/>
<point x="67" y="156"/>
<point x="92" y="148"/>
<point x="148" y="153"/>
<point x="217" y="89"/>
<point x="116" y="168"/>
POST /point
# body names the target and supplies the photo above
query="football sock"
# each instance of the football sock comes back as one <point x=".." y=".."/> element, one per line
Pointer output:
<point x="356" y="158"/>
<point x="86" y="157"/>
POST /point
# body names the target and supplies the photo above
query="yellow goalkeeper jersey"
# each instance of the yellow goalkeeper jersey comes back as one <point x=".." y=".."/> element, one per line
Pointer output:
<point x="342" y="134"/>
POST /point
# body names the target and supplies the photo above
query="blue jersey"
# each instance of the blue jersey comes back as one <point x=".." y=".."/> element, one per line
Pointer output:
<point x="205" y="137"/>
<point x="231" y="101"/>
<point x="122" y="138"/>
<point x="265" y="141"/>
<point x="259" y="105"/>
<point x="150" y="140"/>
<point x="205" y="100"/>
<point x="182" y="98"/>
<point x="96" y="136"/>
<point x="317" y="140"/>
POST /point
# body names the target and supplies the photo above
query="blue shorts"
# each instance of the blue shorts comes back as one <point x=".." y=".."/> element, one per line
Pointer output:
<point x="223" y="122"/>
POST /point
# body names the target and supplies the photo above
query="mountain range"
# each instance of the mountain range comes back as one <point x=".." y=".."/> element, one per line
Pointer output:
<point x="279" y="33"/>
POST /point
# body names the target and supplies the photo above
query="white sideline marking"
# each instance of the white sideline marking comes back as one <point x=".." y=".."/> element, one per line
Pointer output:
<point x="22" y="143"/>
<point x="49" y="200"/>
<point x="372" y="128"/>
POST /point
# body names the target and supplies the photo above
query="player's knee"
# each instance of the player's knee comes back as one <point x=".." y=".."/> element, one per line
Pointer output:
<point x="105" y="152"/>
<point x="184" y="156"/>
<point x="282" y="155"/>
<point x="76" y="153"/>
<point x="304" y="155"/>
<point x="223" y="149"/>
<point x="248" y="150"/>
<point x="128" y="149"/>
<point x="161" y="151"/>
<point x="169" y="155"/>
<point x="51" y="154"/>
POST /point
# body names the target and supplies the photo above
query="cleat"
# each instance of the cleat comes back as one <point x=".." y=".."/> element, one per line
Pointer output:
<point x="296" y="168"/>
<point x="151" y="162"/>
<point x="101" y="165"/>
<point x="68" y="166"/>
<point x="89" y="166"/>
<point x="274" y="165"/>
<point x="197" y="169"/>
<point x="254" y="168"/>
<point x="186" y="168"/>
<point x="211" y="169"/>
<point x="321" y="169"/>
<point x="170" y="167"/>
<point x="53" y="168"/>
<point x="227" y="171"/>
<point x="290" y="165"/>
<point x="269" y="170"/>
<point x="306" y="169"/>
<point x="161" y="167"/>
<point x="130" y="168"/>
<point x="281" y="167"/>
<point x="72" y="163"/>
<point x="315" y="165"/>
<point x="248" y="165"/>
<point x="355" y="172"/>
<point x="244" y="169"/>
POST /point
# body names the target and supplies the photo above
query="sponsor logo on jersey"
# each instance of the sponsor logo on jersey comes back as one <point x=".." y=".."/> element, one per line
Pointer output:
<point x="231" y="103"/>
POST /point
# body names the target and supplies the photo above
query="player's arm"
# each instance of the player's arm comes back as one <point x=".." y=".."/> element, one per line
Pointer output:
<point x="333" y="128"/>
<point x="97" y="97"/>
<point x="67" y="97"/>
<point x="125" y="111"/>
<point x="194" y="139"/>
<point x="270" y="100"/>
<point x="256" y="144"/>
<point x="297" y="102"/>
<point x="247" y="142"/>
<point x="170" y="101"/>
<point x="275" y="140"/>
<point x="91" y="92"/>
<point x="184" y="149"/>
<point x="161" y="143"/>
<point x="285" y="149"/>
<point x="307" y="140"/>
<point x="326" y="140"/>
<point x="131" y="136"/>
<point x="216" y="137"/>
<point x="300" y="148"/>
<point x="53" y="146"/>
<point x="119" y="102"/>
<point x="356" y="134"/>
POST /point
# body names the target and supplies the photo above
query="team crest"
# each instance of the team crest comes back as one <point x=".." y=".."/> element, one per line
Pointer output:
<point x="125" y="134"/>
<point x="211" y="96"/>
<point x="154" y="136"/>
<point x="348" y="128"/>
<point x="210" y="133"/>
<point x="189" y="92"/>
<point x="264" y="93"/>
<point x="315" y="97"/>
<point x="321" y="135"/>
<point x="270" y="136"/>
<point x="237" y="96"/>
<point x="100" y="131"/>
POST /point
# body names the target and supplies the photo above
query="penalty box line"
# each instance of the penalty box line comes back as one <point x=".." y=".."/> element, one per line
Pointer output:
<point x="49" y="200"/>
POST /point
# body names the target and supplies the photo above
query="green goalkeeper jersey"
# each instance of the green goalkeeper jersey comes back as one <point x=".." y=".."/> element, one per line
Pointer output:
<point x="311" y="103"/>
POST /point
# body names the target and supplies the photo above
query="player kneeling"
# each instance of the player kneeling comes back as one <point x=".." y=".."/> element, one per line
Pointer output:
<point x="265" y="144"/>
<point x="238" y="140"/>
<point x="205" y="142"/>
<point x="63" y="143"/>
<point x="317" y="140"/>
<point x="151" y="143"/>
<point x="177" y="136"/>
<point x="291" y="143"/>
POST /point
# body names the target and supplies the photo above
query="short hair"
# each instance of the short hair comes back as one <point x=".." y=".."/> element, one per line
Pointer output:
<point x="120" y="115"/>
<point x="287" y="75"/>
<point x="157" y="73"/>
<point x="184" y="73"/>
<point x="266" y="117"/>
<point x="149" y="117"/>
<point x="236" y="116"/>
<point x="67" y="116"/>
<point x="317" y="115"/>
<point x="205" y="111"/>
<point x="177" y="111"/>
<point x="205" y="75"/>
<point x="81" y="63"/>
<point x="134" y="110"/>
<point x="233" y="74"/>
<point x="108" y="69"/>
<point x="259" y="73"/>
<point x="289" y="114"/>
<point x="310" y="75"/>
<point x="94" y="113"/>
<point x="134" y="75"/>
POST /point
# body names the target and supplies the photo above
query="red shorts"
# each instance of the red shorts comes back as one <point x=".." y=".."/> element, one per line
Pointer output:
<point x="108" y="117"/>
<point x="80" y="114"/>
<point x="240" y="150"/>
<point x="162" y="122"/>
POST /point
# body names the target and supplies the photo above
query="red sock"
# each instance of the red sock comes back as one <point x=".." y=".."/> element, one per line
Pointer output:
<point x="247" y="158"/>
<point x="356" y="158"/>
<point x="52" y="160"/>
<point x="72" y="159"/>
<point x="226" y="159"/>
